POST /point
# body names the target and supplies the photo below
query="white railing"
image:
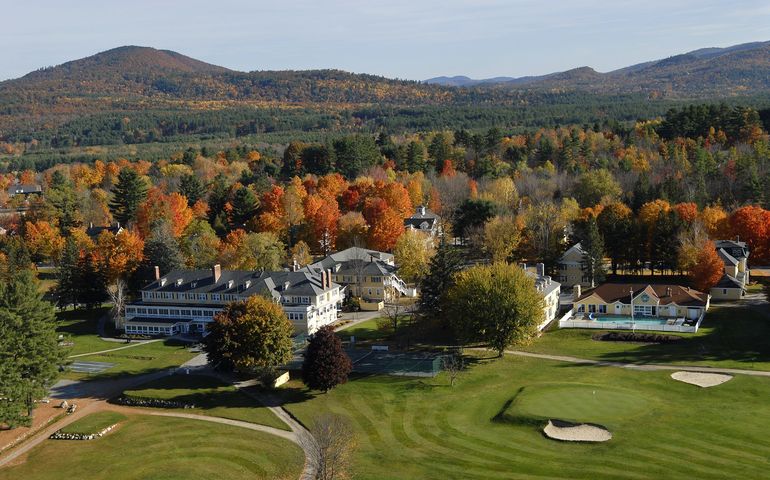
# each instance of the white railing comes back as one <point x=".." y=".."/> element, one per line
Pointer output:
<point x="401" y="286"/>
<point x="627" y="326"/>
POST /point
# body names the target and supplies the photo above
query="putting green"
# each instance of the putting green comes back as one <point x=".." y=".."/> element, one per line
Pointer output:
<point x="579" y="403"/>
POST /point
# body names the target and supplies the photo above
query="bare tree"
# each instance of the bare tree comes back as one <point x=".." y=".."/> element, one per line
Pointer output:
<point x="453" y="364"/>
<point x="328" y="447"/>
<point x="394" y="309"/>
<point x="118" y="293"/>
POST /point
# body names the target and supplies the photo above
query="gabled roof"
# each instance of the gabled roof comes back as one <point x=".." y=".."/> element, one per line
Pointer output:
<point x="24" y="189"/>
<point x="726" y="257"/>
<point x="96" y="231"/>
<point x="667" y="294"/>
<point x="728" y="281"/>
<point x="356" y="260"/>
<point x="735" y="248"/>
<point x="574" y="249"/>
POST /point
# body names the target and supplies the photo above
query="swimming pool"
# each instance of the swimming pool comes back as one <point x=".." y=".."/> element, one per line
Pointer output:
<point x="627" y="320"/>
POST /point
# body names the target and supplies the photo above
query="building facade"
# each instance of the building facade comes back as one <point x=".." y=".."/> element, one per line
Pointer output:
<point x="735" y="256"/>
<point x="185" y="301"/>
<point x="366" y="274"/>
<point x="423" y="220"/>
<point x="662" y="301"/>
<point x="549" y="289"/>
<point x="570" y="268"/>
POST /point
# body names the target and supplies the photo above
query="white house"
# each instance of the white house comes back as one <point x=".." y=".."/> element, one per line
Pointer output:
<point x="185" y="301"/>
<point x="549" y="289"/>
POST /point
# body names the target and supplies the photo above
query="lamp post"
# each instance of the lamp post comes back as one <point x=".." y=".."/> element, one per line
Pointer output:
<point x="633" y="324"/>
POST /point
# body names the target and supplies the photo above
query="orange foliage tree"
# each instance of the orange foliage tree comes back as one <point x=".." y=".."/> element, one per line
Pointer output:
<point x="321" y="215"/>
<point x="118" y="256"/>
<point x="708" y="268"/>
<point x="752" y="225"/>
<point x="43" y="240"/>
<point x="172" y="207"/>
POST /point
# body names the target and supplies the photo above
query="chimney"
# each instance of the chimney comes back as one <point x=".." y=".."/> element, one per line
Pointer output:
<point x="576" y="292"/>
<point x="329" y="278"/>
<point x="216" y="272"/>
<point x="421" y="210"/>
<point x="540" y="269"/>
<point x="90" y="224"/>
<point x="157" y="272"/>
<point x="668" y="291"/>
<point x="294" y="265"/>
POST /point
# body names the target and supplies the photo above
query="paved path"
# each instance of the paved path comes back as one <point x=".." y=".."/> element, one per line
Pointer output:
<point x="638" y="366"/>
<point x="131" y="345"/>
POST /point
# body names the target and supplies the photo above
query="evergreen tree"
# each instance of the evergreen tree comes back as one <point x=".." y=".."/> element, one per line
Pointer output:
<point x="592" y="262"/>
<point x="326" y="364"/>
<point x="91" y="284"/>
<point x="442" y="267"/>
<point x="29" y="351"/>
<point x="192" y="188"/>
<point x="61" y="196"/>
<point x="127" y="194"/>
<point x="162" y="250"/>
<point x="67" y="275"/>
<point x="245" y="205"/>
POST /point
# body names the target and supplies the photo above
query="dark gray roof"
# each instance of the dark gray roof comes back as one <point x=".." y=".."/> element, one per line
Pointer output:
<point x="356" y="260"/>
<point x="735" y="248"/>
<point x="726" y="257"/>
<point x="728" y="282"/>
<point x="422" y="219"/>
<point x="304" y="282"/>
<point x="96" y="231"/>
<point x="24" y="189"/>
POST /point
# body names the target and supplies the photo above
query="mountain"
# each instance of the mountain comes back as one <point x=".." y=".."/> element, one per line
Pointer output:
<point x="707" y="71"/>
<point x="137" y="94"/>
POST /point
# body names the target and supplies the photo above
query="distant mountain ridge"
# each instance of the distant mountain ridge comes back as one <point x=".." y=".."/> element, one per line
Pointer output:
<point x="749" y="62"/>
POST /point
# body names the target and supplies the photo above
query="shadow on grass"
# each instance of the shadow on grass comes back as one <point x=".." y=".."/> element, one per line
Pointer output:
<point x="507" y="417"/>
<point x="730" y="334"/>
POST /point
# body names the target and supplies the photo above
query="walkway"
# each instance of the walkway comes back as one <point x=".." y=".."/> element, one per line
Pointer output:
<point x="638" y="366"/>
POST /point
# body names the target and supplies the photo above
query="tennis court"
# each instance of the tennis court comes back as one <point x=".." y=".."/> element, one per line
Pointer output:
<point x="408" y="364"/>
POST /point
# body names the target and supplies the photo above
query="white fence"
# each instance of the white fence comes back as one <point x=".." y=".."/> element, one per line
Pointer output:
<point x="627" y="326"/>
<point x="566" y="322"/>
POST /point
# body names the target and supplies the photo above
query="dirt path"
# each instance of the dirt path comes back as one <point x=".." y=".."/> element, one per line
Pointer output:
<point x="637" y="366"/>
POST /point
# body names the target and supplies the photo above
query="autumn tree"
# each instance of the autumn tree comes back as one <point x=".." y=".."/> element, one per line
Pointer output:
<point x="752" y="225"/>
<point x="119" y="255"/>
<point x="708" y="268"/>
<point x="252" y="251"/>
<point x="326" y="364"/>
<point x="127" y="194"/>
<point x="158" y="207"/>
<point x="412" y="252"/>
<point x="249" y="335"/>
<point x="299" y="254"/>
<point x="501" y="237"/>
<point x="496" y="304"/>
<point x="199" y="245"/>
<point x="44" y="240"/>
<point x="351" y="230"/>
<point x="322" y="214"/>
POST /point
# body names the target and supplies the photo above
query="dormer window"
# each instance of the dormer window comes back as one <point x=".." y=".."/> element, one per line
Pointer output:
<point x="163" y="282"/>
<point x="179" y="282"/>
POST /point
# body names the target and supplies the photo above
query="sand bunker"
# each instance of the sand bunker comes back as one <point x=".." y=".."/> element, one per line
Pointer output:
<point x="576" y="432"/>
<point x="701" y="379"/>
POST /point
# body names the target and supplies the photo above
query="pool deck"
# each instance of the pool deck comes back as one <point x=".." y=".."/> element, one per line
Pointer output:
<point x="623" y="322"/>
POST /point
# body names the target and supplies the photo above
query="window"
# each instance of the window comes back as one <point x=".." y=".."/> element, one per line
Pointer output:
<point x="724" y="291"/>
<point x="645" y="310"/>
<point x="592" y="308"/>
<point x="215" y="296"/>
<point x="602" y="308"/>
<point x="581" y="308"/>
<point x="376" y="279"/>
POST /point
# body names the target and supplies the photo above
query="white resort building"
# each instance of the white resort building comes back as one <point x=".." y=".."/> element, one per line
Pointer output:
<point x="185" y="301"/>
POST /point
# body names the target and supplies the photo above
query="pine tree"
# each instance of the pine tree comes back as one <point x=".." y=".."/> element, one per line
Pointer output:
<point x="245" y="205"/>
<point x="67" y="275"/>
<point x="129" y="192"/>
<point x="592" y="262"/>
<point x="162" y="250"/>
<point x="91" y="284"/>
<point x="442" y="267"/>
<point x="326" y="364"/>
<point x="29" y="351"/>
<point x="192" y="189"/>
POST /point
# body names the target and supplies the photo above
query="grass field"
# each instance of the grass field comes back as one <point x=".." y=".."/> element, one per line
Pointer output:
<point x="94" y="423"/>
<point x="145" y="447"/>
<point x="136" y="360"/>
<point x="79" y="328"/>
<point x="211" y="396"/>
<point x="730" y="337"/>
<point x="416" y="428"/>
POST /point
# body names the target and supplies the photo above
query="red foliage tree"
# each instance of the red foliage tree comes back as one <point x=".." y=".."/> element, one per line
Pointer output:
<point x="326" y="364"/>
<point x="752" y="225"/>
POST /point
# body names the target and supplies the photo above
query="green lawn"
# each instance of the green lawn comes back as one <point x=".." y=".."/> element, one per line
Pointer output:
<point x="211" y="396"/>
<point x="367" y="330"/>
<point x="729" y="337"/>
<point x="135" y="360"/>
<point x="94" y="423"/>
<point x="79" y="327"/>
<point x="422" y="428"/>
<point x="146" y="447"/>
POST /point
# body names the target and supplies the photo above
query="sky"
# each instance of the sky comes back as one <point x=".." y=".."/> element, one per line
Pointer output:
<point x="410" y="39"/>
